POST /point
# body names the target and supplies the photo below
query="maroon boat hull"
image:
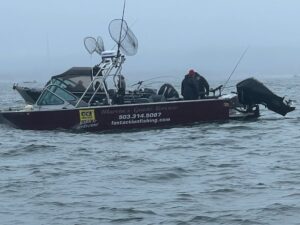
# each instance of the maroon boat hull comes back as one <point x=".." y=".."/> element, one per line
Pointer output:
<point x="133" y="116"/>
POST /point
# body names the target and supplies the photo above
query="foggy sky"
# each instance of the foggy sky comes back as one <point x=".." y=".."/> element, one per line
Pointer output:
<point x="40" y="38"/>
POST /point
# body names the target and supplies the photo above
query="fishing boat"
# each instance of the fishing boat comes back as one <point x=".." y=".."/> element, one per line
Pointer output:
<point x="88" y="104"/>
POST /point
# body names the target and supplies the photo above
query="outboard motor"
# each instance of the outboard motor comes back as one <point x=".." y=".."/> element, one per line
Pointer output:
<point x="251" y="92"/>
<point x="168" y="91"/>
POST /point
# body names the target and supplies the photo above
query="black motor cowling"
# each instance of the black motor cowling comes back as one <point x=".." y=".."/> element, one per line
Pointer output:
<point x="251" y="92"/>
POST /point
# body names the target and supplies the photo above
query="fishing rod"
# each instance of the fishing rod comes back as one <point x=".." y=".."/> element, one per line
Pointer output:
<point x="139" y="83"/>
<point x="240" y="59"/>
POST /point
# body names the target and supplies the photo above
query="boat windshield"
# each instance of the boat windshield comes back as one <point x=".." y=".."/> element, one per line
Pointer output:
<point x="55" y="95"/>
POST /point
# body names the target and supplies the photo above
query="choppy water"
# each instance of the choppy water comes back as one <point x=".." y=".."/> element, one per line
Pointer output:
<point x="219" y="173"/>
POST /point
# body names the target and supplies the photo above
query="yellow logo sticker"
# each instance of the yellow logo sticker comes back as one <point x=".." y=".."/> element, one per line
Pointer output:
<point x="87" y="115"/>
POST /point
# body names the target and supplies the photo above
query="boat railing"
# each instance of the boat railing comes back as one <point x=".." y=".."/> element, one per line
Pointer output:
<point x="105" y="66"/>
<point x="109" y="66"/>
<point x="214" y="90"/>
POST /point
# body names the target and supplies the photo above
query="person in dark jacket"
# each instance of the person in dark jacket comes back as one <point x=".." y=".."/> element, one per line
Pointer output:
<point x="121" y="85"/>
<point x="203" y="85"/>
<point x="190" y="86"/>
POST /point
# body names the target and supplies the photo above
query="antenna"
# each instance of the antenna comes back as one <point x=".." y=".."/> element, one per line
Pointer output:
<point x="48" y="53"/>
<point x="119" y="42"/>
<point x="123" y="37"/>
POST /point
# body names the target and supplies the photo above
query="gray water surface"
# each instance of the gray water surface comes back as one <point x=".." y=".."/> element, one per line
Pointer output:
<point x="236" y="172"/>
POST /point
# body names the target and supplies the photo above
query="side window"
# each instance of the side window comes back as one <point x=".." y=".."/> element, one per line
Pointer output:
<point x="63" y="94"/>
<point x="49" y="98"/>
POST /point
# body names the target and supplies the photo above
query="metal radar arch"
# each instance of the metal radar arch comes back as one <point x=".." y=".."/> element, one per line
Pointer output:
<point x="111" y="60"/>
<point x="127" y="43"/>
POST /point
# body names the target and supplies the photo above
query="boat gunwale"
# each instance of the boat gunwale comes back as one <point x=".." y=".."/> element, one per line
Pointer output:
<point x="116" y="106"/>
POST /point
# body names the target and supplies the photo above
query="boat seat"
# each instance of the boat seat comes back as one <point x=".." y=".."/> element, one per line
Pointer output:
<point x="81" y="103"/>
<point x="141" y="100"/>
<point x="157" y="98"/>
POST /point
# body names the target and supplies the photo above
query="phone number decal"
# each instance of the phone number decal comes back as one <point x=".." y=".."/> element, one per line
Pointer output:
<point x="139" y="116"/>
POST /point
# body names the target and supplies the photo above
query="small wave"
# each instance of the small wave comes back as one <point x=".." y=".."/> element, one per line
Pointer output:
<point x="82" y="152"/>
<point x="203" y="219"/>
<point x="42" y="195"/>
<point x="231" y="218"/>
<point x="6" y="169"/>
<point x="8" y="191"/>
<point x="163" y="177"/>
<point x="294" y="195"/>
<point x="223" y="190"/>
<point x="288" y="182"/>
<point x="239" y="127"/>
<point x="59" y="163"/>
<point x="35" y="171"/>
<point x="117" y="158"/>
<point x="32" y="148"/>
<point x="141" y="161"/>
<point x="130" y="210"/>
<point x="227" y="165"/>
<point x="281" y="208"/>
<point x="177" y="146"/>
<point x="243" y="222"/>
<point x="133" y="214"/>
<point x="126" y="220"/>
<point x="59" y="204"/>
<point x="179" y="170"/>
<point x="283" y="168"/>
<point x="185" y="197"/>
<point x="16" y="185"/>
